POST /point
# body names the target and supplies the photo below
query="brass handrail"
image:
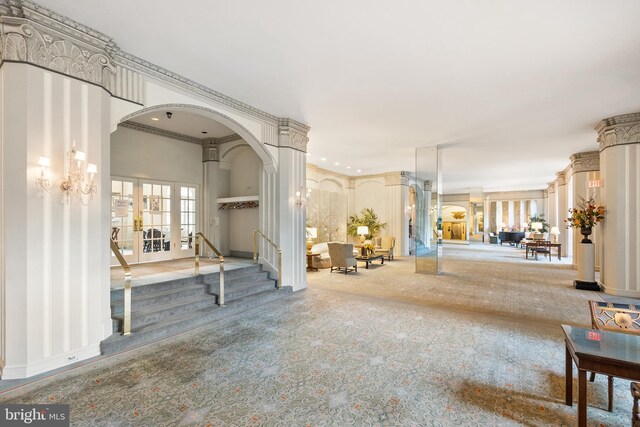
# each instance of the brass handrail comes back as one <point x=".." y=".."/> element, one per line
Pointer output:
<point x="198" y="236"/>
<point x="255" y="253"/>
<point x="126" y="324"/>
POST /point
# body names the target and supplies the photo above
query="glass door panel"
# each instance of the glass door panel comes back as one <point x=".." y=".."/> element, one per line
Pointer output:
<point x="156" y="217"/>
<point x="123" y="223"/>
<point x="188" y="218"/>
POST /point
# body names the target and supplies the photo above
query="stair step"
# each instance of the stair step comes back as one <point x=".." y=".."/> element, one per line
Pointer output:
<point x="245" y="289"/>
<point x="154" y="313"/>
<point x="177" y="324"/>
<point x="160" y="297"/>
<point x="158" y="287"/>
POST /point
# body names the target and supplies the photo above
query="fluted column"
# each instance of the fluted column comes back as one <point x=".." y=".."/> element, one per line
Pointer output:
<point x="553" y="207"/>
<point x="487" y="219"/>
<point x="619" y="144"/>
<point x="397" y="192"/>
<point x="211" y="181"/>
<point x="585" y="167"/>
<point x="561" y="191"/>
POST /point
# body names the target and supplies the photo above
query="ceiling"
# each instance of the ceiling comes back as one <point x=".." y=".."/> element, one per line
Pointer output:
<point x="510" y="89"/>
<point x="184" y="123"/>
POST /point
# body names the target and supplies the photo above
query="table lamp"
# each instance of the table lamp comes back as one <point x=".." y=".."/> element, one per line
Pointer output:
<point x="555" y="232"/>
<point x="312" y="233"/>
<point x="362" y="231"/>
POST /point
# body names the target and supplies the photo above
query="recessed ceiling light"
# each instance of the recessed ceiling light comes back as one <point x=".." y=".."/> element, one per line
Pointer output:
<point x="337" y="163"/>
<point x="205" y="132"/>
<point x="155" y="119"/>
<point x="359" y="170"/>
<point x="324" y="159"/>
<point x="348" y="167"/>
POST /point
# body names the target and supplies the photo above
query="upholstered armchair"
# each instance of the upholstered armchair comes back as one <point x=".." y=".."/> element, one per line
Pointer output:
<point x="342" y="258"/>
<point x="385" y="247"/>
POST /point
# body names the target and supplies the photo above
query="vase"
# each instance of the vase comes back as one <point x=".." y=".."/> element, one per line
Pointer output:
<point x="586" y="232"/>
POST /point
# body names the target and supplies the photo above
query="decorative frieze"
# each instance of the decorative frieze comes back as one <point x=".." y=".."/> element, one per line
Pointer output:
<point x="293" y="134"/>
<point x="23" y="42"/>
<point x="210" y="150"/>
<point x="160" y="132"/>
<point x="585" y="162"/>
<point x="619" y="130"/>
<point x="561" y="178"/>
<point x="396" y="178"/>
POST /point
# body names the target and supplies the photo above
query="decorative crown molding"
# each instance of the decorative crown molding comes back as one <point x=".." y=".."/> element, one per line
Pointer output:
<point x="31" y="33"/>
<point x="619" y="130"/>
<point x="585" y="162"/>
<point x="561" y="178"/>
<point x="159" y="132"/>
<point x="293" y="134"/>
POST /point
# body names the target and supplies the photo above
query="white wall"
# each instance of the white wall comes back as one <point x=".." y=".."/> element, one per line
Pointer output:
<point x="243" y="181"/>
<point x="56" y="256"/>
<point x="144" y="155"/>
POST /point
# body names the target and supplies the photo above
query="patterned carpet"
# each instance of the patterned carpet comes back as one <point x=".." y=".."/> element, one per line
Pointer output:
<point x="478" y="345"/>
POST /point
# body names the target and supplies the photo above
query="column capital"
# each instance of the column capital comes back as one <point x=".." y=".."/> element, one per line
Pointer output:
<point x="585" y="162"/>
<point x="561" y="178"/>
<point x="210" y="150"/>
<point x="551" y="188"/>
<point x="293" y="134"/>
<point x="619" y="130"/>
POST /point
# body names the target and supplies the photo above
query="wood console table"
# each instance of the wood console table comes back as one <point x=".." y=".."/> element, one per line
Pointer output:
<point x="608" y="353"/>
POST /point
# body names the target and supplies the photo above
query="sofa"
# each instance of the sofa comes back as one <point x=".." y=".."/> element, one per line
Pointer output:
<point x="384" y="246"/>
<point x="324" y="260"/>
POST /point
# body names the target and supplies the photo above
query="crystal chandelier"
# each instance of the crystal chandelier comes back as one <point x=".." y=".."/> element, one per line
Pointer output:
<point x="78" y="179"/>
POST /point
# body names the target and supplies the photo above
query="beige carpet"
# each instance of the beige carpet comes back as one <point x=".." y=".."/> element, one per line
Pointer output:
<point x="478" y="345"/>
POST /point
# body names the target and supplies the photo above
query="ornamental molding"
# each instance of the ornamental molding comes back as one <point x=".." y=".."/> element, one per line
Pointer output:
<point x="293" y="134"/>
<point x="159" y="132"/>
<point x="24" y="42"/>
<point x="561" y="178"/>
<point x="31" y="33"/>
<point x="396" y="178"/>
<point x="210" y="150"/>
<point x="585" y="162"/>
<point x="551" y="189"/>
<point x="619" y="130"/>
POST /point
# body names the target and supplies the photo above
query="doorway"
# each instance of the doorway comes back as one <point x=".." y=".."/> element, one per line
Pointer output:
<point x="153" y="220"/>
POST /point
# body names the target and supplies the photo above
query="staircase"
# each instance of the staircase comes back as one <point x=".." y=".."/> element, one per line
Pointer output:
<point x="163" y="309"/>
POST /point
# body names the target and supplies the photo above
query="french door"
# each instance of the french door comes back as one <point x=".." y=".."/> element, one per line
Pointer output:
<point x="153" y="220"/>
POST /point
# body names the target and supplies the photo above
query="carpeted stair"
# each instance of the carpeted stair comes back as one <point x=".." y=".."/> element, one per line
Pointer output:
<point x="160" y="310"/>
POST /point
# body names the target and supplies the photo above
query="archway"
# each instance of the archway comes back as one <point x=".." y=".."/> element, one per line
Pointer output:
<point x="454" y="223"/>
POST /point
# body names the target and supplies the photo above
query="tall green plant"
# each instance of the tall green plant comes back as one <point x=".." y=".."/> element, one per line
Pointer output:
<point x="367" y="217"/>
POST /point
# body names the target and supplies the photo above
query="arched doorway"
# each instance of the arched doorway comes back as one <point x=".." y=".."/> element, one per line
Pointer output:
<point x="170" y="165"/>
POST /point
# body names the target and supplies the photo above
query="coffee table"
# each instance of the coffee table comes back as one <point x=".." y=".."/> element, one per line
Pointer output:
<point x="368" y="259"/>
<point x="603" y="352"/>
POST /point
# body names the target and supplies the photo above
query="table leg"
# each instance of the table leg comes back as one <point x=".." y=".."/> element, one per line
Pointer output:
<point x="559" y="253"/>
<point x="582" y="398"/>
<point x="366" y="265"/>
<point x="568" y="377"/>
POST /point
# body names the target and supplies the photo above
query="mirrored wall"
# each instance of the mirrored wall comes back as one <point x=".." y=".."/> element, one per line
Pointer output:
<point x="428" y="210"/>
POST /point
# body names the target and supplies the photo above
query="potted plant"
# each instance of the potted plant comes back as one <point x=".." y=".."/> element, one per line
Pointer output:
<point x="367" y="217"/>
<point x="585" y="216"/>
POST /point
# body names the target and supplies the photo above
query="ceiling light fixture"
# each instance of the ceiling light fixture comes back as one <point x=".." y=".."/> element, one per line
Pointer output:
<point x="324" y="159"/>
<point x="348" y="167"/>
<point x="155" y="119"/>
<point x="359" y="170"/>
<point x="337" y="163"/>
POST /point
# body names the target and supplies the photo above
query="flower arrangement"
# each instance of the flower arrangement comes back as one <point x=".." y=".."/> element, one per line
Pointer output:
<point x="369" y="248"/>
<point x="586" y="215"/>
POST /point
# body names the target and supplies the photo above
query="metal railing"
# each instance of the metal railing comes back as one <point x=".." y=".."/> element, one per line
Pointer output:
<point x="126" y="324"/>
<point x="255" y="253"/>
<point x="199" y="236"/>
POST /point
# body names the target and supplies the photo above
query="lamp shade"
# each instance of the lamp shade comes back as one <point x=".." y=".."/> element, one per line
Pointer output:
<point x="312" y="233"/>
<point x="555" y="230"/>
<point x="363" y="229"/>
<point x="536" y="225"/>
<point x="91" y="168"/>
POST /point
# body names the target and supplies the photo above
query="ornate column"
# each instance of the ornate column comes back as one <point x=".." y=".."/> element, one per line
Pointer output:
<point x="499" y="220"/>
<point x="585" y="167"/>
<point x="291" y="217"/>
<point x="211" y="179"/>
<point x="397" y="192"/>
<point x="619" y="140"/>
<point x="487" y="218"/>
<point x="553" y="208"/>
<point x="563" y="207"/>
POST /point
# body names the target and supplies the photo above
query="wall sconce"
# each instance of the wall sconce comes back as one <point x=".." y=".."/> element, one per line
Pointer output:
<point x="301" y="197"/>
<point x="78" y="179"/>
